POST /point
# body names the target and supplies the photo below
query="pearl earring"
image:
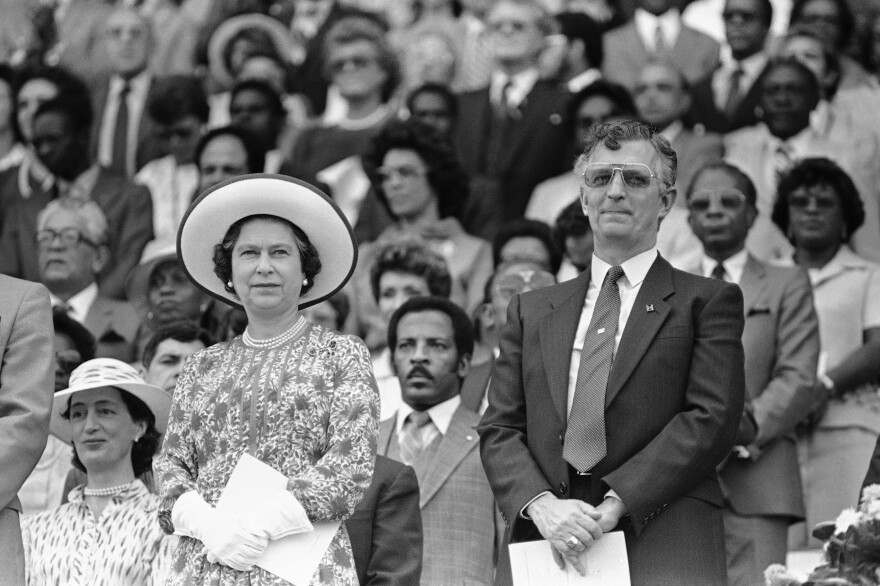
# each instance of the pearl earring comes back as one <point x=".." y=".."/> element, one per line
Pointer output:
<point x="229" y="283"/>
<point x="136" y="438"/>
<point x="305" y="282"/>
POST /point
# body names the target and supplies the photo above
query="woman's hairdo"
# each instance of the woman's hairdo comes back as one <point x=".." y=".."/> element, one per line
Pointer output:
<point x="308" y="254"/>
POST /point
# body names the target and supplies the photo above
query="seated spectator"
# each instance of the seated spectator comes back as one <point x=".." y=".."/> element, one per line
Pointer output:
<point x="179" y="110"/>
<point x="819" y="208"/>
<point x="163" y="295"/>
<point x="401" y="270"/>
<point x="256" y="106"/>
<point x="44" y="488"/>
<point x="789" y="94"/>
<point x="167" y="351"/>
<point x="529" y="240"/>
<point x="12" y="151"/>
<point x="600" y="101"/>
<point x="418" y="178"/>
<point x="224" y="153"/>
<point x="707" y="16"/>
<point x="431" y="340"/>
<point x="331" y="313"/>
<point x="727" y="100"/>
<point x="434" y="105"/>
<point x="656" y="31"/>
<point x="573" y="232"/>
<point x="61" y="139"/>
<point x="509" y="279"/>
<point x="834" y="23"/>
<point x="108" y="532"/>
<point x="72" y="251"/>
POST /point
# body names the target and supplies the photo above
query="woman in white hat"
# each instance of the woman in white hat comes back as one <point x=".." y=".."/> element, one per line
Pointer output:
<point x="298" y="397"/>
<point x="107" y="532"/>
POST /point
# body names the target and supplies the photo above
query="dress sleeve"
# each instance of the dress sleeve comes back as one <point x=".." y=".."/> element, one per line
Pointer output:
<point x="176" y="468"/>
<point x="160" y="566"/>
<point x="333" y="487"/>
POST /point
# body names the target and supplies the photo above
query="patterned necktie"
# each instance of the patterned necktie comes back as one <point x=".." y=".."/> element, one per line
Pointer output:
<point x="119" y="161"/>
<point x="783" y="161"/>
<point x="411" y="442"/>
<point x="585" y="436"/>
<point x="502" y="100"/>
<point x="718" y="272"/>
<point x="734" y="91"/>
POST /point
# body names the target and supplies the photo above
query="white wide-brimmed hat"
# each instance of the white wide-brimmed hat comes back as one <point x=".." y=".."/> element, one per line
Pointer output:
<point x="209" y="217"/>
<point x="108" y="372"/>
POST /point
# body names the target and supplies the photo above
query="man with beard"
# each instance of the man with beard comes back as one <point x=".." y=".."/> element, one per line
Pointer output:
<point x="431" y="341"/>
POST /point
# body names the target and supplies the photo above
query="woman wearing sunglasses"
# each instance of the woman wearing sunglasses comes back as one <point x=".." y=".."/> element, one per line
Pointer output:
<point x="819" y="209"/>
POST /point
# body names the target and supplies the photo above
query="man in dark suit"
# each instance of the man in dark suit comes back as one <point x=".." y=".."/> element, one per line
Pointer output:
<point x="61" y="139"/>
<point x="576" y="445"/>
<point x="27" y="375"/>
<point x="656" y="32"/>
<point x="781" y="344"/>
<point x="432" y="340"/>
<point x="72" y="250"/>
<point x="728" y="99"/>
<point x="386" y="527"/>
<point x="511" y="135"/>
<point x="125" y="137"/>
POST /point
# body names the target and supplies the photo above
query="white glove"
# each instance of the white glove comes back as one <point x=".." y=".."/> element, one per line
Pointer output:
<point x="222" y="535"/>
<point x="278" y="517"/>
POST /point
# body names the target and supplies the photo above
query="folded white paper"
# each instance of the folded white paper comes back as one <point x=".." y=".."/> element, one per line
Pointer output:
<point x="293" y="558"/>
<point x="606" y="563"/>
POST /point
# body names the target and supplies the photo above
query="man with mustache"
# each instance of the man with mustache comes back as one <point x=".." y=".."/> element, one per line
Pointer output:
<point x="431" y="341"/>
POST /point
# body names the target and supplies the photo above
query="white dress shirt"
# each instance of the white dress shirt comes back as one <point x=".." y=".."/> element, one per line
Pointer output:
<point x="733" y="266"/>
<point x="440" y="414"/>
<point x="80" y="303"/>
<point x="646" y="25"/>
<point x="389" y="385"/>
<point x="139" y="87"/>
<point x="634" y="271"/>
<point x="520" y="85"/>
<point x="751" y="66"/>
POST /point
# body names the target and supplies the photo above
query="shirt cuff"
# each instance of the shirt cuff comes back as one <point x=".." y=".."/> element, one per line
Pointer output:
<point x="613" y="495"/>
<point x="522" y="512"/>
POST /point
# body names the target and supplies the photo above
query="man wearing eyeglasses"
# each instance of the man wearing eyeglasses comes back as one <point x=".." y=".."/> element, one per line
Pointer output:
<point x="617" y="394"/>
<point x="781" y="344"/>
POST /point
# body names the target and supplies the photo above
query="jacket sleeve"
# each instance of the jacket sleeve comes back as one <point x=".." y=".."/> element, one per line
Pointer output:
<point x="396" y="553"/>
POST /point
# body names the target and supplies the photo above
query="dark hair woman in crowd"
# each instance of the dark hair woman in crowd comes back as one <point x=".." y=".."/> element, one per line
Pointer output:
<point x="818" y="209"/>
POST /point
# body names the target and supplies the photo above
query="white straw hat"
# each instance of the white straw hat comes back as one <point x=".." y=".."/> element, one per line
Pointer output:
<point x="210" y="216"/>
<point x="108" y="372"/>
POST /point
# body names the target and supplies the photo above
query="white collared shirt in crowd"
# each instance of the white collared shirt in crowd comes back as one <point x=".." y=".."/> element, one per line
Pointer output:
<point x="80" y="303"/>
<point x="646" y="25"/>
<point x="733" y="266"/>
<point x="139" y="87"/>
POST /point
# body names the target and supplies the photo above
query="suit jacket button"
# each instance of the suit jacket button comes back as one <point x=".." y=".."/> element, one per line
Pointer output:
<point x="563" y="488"/>
<point x="562" y="438"/>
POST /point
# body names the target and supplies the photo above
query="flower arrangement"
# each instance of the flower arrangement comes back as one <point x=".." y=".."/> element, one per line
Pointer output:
<point x="852" y="548"/>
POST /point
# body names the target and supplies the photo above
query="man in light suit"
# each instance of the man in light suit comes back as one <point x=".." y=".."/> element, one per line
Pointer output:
<point x="781" y="344"/>
<point x="656" y="31"/>
<point x="72" y="250"/>
<point x="27" y="381"/>
<point x="511" y="135"/>
<point x="432" y="340"/>
<point x="576" y="445"/>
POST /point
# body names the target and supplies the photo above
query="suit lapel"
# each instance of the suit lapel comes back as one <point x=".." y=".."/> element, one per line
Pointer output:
<point x="386" y="432"/>
<point x="753" y="284"/>
<point x="557" y="334"/>
<point x="648" y="313"/>
<point x="460" y="439"/>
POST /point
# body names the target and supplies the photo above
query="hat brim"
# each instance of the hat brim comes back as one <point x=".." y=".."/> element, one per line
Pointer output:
<point x="137" y="286"/>
<point x="158" y="401"/>
<point x="227" y="31"/>
<point x="209" y="217"/>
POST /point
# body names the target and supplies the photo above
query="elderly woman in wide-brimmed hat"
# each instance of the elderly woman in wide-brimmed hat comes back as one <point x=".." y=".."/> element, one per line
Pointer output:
<point x="298" y="397"/>
<point x="107" y="532"/>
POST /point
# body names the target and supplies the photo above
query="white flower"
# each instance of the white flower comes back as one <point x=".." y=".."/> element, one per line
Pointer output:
<point x="846" y="519"/>
<point x="871" y="509"/>
<point x="778" y="575"/>
<point x="871" y="493"/>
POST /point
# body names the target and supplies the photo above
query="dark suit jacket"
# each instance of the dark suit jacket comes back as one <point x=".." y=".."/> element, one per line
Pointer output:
<point x="781" y="344"/>
<point x="534" y="148"/>
<point x="673" y="404"/>
<point x="475" y="385"/>
<point x="115" y="326"/>
<point x="694" y="53"/>
<point x="704" y="111"/>
<point x="129" y="211"/>
<point x="386" y="527"/>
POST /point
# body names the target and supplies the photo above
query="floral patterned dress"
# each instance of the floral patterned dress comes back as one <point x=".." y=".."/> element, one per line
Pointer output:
<point x="309" y="409"/>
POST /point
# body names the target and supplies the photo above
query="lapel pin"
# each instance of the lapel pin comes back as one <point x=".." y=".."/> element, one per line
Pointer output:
<point x="649" y="307"/>
<point x="600" y="331"/>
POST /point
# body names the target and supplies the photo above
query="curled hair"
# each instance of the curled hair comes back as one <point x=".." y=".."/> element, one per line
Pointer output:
<point x="265" y="89"/>
<point x="445" y="175"/>
<point x="525" y="228"/>
<point x="77" y="113"/>
<point x="612" y="134"/>
<point x="411" y="257"/>
<point x="820" y="172"/>
<point x="436" y="89"/>
<point x="462" y="327"/>
<point x="143" y="450"/>
<point x="86" y="210"/>
<point x="308" y="254"/>
<point x="361" y="27"/>
<point x="743" y="182"/>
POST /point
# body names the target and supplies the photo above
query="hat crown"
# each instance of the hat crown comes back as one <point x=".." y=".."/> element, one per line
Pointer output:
<point x="104" y="372"/>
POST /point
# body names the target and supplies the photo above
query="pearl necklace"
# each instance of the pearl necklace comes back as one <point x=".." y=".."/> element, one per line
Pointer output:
<point x="278" y="340"/>
<point x="109" y="491"/>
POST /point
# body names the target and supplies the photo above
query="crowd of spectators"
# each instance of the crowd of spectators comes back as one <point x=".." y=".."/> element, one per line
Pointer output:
<point x="446" y="132"/>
